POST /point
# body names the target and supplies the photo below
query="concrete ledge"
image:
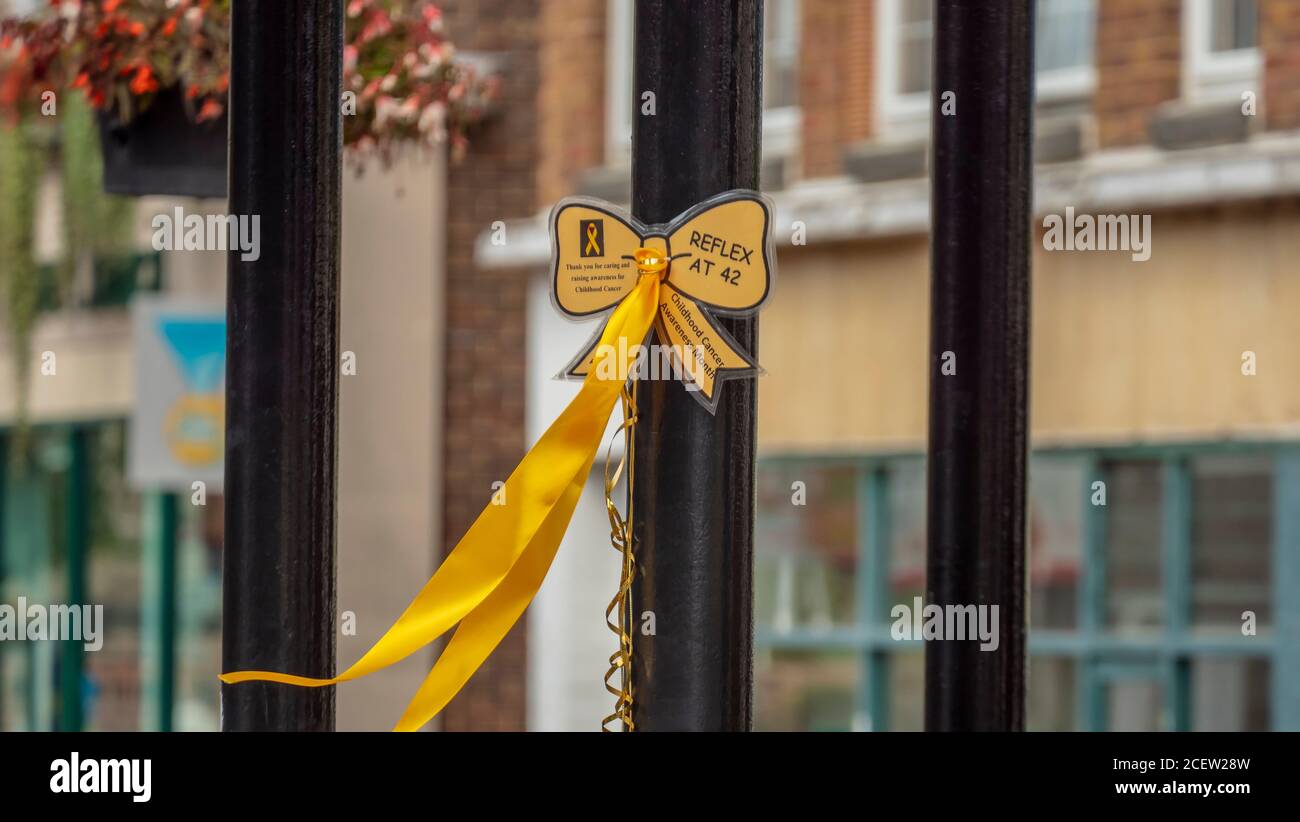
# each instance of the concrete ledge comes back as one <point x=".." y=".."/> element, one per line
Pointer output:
<point x="1061" y="139"/>
<point x="1177" y="125"/>
<point x="873" y="162"/>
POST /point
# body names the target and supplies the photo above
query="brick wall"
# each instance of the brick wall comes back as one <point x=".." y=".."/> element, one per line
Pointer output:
<point x="572" y="65"/>
<point x="485" y="324"/>
<point x="837" y="47"/>
<point x="1138" y="66"/>
<point x="1279" y="35"/>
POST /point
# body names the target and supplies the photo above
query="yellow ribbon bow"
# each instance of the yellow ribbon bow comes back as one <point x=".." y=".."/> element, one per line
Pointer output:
<point x="724" y="250"/>
<point x="496" y="569"/>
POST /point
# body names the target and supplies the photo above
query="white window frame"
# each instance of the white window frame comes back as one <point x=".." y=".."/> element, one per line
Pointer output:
<point x="899" y="115"/>
<point x="1073" y="82"/>
<point x="908" y="115"/>
<point x="781" y="126"/>
<point x="619" y="17"/>
<point x="1211" y="76"/>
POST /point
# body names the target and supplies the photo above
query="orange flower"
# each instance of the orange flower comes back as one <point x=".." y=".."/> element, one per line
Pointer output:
<point x="210" y="110"/>
<point x="111" y="5"/>
<point x="169" y="28"/>
<point x="143" y="82"/>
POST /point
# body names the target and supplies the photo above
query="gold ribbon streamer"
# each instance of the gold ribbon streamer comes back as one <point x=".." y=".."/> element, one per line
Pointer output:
<point x="620" y="535"/>
<point x="489" y="578"/>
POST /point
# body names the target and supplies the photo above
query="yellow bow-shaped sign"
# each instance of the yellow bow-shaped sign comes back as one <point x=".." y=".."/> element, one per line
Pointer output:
<point x="720" y="257"/>
<point x="714" y="258"/>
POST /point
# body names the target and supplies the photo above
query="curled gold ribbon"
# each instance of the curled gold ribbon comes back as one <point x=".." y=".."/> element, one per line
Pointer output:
<point x="618" y="616"/>
<point x="496" y="569"/>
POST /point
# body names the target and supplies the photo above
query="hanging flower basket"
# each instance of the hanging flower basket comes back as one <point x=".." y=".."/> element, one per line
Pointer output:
<point x="158" y="73"/>
<point x="164" y="151"/>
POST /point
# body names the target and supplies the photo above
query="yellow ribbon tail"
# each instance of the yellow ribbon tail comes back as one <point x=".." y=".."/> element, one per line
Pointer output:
<point x="489" y="578"/>
<point x="481" y="631"/>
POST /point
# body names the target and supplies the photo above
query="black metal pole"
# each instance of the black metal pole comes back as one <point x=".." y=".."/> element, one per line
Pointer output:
<point x="168" y="519"/>
<point x="282" y="368"/>
<point x="981" y="179"/>
<point x="694" y="476"/>
<point x="76" y="519"/>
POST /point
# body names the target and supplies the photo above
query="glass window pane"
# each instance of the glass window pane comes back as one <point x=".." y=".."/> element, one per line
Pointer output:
<point x="1134" y="599"/>
<point x="198" y="615"/>
<point x="805" y="691"/>
<point x="907" y="691"/>
<point x="780" y="59"/>
<point x="807" y="545"/>
<point x="28" y="546"/>
<point x="1051" y="694"/>
<point x="1064" y="38"/>
<point x="113" y="684"/>
<point x="915" y="34"/>
<point x="1057" y="492"/>
<point x="1134" y="704"/>
<point x="780" y="53"/>
<point x="1233" y="25"/>
<point x="1232" y="540"/>
<point x="1230" y="694"/>
<point x="907" y="534"/>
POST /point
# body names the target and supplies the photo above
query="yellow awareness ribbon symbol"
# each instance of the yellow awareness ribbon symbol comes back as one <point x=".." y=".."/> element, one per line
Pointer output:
<point x="592" y="246"/>
<point x="489" y="578"/>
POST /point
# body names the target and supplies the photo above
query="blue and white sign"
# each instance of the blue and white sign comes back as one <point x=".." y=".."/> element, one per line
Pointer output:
<point x="178" y="427"/>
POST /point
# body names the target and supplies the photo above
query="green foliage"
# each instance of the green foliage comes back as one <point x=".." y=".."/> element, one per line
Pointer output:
<point x="20" y="172"/>
<point x="94" y="223"/>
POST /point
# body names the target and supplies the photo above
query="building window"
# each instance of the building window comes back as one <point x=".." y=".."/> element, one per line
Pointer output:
<point x="905" y="39"/>
<point x="1141" y="567"/>
<point x="780" y="79"/>
<point x="915" y="39"/>
<point x="1063" y="48"/>
<point x="1220" y="48"/>
<point x="1063" y="53"/>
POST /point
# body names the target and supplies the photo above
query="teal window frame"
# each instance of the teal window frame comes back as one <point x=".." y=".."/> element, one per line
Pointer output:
<point x="1100" y="656"/>
<point x="160" y="532"/>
